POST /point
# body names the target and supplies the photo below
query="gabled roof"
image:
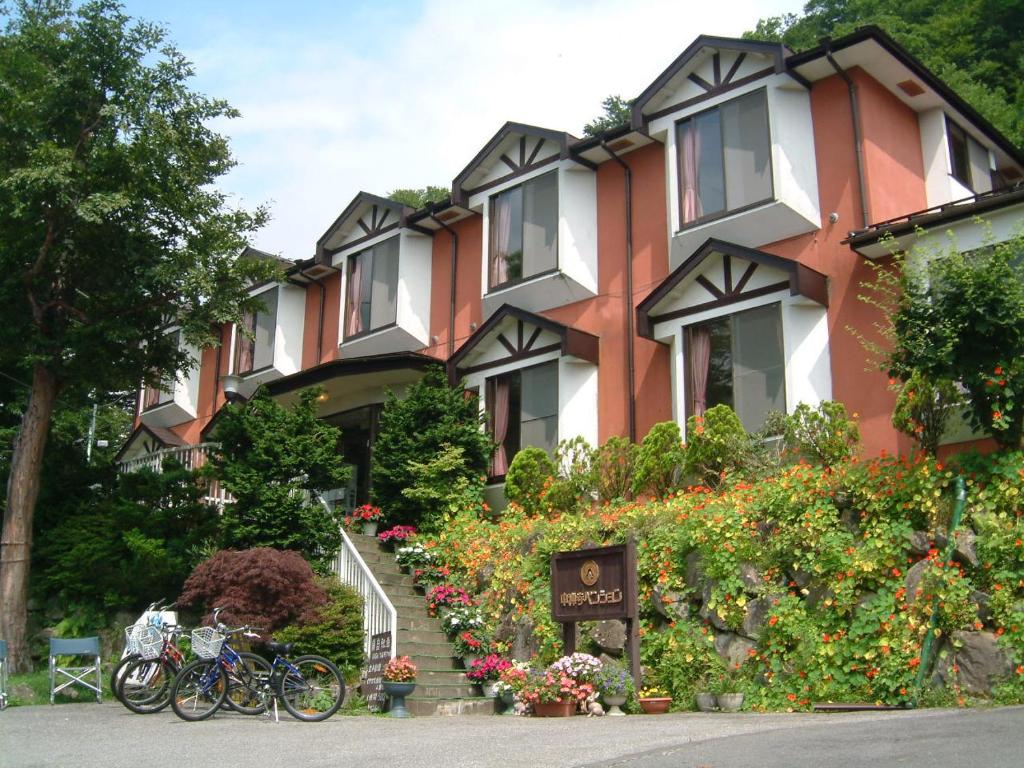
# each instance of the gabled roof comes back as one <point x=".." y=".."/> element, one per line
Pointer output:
<point x="680" y="69"/>
<point x="511" y="146"/>
<point x="372" y="214"/>
<point x="161" y="436"/>
<point x="801" y="280"/>
<point x="571" y="341"/>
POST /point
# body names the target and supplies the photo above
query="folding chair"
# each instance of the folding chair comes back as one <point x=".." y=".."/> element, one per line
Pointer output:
<point x="81" y="646"/>
<point x="3" y="674"/>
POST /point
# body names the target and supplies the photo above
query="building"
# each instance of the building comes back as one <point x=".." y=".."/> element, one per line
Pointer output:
<point x="708" y="252"/>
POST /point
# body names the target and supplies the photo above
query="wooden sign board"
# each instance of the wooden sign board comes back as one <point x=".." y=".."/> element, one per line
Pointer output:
<point x="380" y="655"/>
<point x="594" y="584"/>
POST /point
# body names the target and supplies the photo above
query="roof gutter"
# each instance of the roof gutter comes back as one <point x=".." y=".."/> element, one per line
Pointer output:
<point x="455" y="257"/>
<point x="858" y="143"/>
<point x="630" y="362"/>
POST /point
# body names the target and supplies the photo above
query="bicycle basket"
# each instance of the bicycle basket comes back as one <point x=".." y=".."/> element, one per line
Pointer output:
<point x="144" y="640"/>
<point x="206" y="642"/>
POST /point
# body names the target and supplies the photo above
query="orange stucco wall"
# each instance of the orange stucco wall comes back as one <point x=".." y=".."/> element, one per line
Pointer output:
<point x="468" y="303"/>
<point x="213" y="363"/>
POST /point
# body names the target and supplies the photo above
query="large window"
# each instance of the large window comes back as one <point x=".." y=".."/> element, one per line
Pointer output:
<point x="523" y="410"/>
<point x="154" y="396"/>
<point x="371" y="300"/>
<point x="737" y="361"/>
<point x="724" y="159"/>
<point x="254" y="342"/>
<point x="968" y="160"/>
<point x="524" y="231"/>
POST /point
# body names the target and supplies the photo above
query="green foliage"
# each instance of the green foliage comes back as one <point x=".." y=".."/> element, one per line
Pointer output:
<point x="961" y="318"/>
<point x="679" y="659"/>
<point x="617" y="112"/>
<point x="822" y="435"/>
<point x="418" y="198"/>
<point x="959" y="41"/>
<point x="923" y="408"/>
<point x="528" y="478"/>
<point x="442" y="486"/>
<point x="333" y="630"/>
<point x="716" y="444"/>
<point x="659" y="460"/>
<point x="127" y="545"/>
<point x="273" y="459"/>
<point x="432" y="414"/>
<point x="614" y="468"/>
<point x="573" y="486"/>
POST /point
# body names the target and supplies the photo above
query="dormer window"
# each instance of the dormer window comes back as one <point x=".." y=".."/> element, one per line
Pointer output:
<point x="724" y="159"/>
<point x="255" y="351"/>
<point x="968" y="160"/>
<point x="524" y="231"/>
<point x="371" y="300"/>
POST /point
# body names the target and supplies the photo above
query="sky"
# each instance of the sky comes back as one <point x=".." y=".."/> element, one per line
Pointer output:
<point x="342" y="97"/>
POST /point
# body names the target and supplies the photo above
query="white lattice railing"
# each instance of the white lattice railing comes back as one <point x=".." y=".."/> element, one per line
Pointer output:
<point x="191" y="457"/>
<point x="379" y="615"/>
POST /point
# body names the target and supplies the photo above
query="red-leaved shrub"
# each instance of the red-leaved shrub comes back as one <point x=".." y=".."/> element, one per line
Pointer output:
<point x="264" y="587"/>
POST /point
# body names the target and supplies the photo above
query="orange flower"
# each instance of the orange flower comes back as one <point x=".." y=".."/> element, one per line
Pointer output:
<point x="914" y="662"/>
<point x="773" y="621"/>
<point x="791" y="696"/>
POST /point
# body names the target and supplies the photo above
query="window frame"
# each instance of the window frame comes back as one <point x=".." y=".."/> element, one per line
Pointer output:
<point x="491" y="200"/>
<point x="241" y="338"/>
<point x="489" y="388"/>
<point x="677" y="127"/>
<point x="346" y="337"/>
<point x="164" y="397"/>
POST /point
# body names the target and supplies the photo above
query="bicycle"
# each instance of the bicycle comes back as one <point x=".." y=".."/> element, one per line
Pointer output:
<point x="311" y="687"/>
<point x="135" y="634"/>
<point x="144" y="684"/>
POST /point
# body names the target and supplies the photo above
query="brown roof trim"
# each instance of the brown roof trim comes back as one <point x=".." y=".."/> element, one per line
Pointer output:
<point x="901" y="54"/>
<point x="162" y="435"/>
<point x="968" y="207"/>
<point x="349" y="367"/>
<point x="803" y="280"/>
<point x="403" y="212"/>
<point x="561" y="138"/>
<point x="572" y="341"/>
<point x="777" y="51"/>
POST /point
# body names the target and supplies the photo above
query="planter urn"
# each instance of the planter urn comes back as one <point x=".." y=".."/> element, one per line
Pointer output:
<point x="730" y="702"/>
<point x="655" y="705"/>
<point x="554" y="708"/>
<point x="508" y="701"/>
<point x="707" y="702"/>
<point x="398" y="692"/>
<point x="613" y="703"/>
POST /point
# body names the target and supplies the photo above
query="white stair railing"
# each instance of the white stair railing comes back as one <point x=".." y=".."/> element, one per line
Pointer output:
<point x="379" y="615"/>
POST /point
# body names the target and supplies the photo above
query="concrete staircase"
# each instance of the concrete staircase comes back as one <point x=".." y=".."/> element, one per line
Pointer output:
<point x="441" y="684"/>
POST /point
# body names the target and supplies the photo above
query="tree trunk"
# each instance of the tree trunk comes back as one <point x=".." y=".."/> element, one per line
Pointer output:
<point x="22" y="492"/>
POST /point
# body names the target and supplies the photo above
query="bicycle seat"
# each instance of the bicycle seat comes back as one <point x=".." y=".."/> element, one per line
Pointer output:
<point x="281" y="649"/>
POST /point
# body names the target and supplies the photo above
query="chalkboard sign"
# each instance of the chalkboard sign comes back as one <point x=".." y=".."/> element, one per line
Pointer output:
<point x="380" y="655"/>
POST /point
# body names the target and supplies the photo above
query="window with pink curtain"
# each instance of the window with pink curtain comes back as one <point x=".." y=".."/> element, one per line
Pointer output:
<point x="245" y="344"/>
<point x="500" y="418"/>
<point x="523" y="410"/>
<point x="523" y="231"/>
<point x="502" y="246"/>
<point x="354" y="297"/>
<point x="698" y="348"/>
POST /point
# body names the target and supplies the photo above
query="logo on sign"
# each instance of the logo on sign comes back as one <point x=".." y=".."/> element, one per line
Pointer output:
<point x="589" y="573"/>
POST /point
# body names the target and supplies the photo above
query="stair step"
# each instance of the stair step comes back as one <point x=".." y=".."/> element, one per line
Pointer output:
<point x="407" y="621"/>
<point x="408" y="601"/>
<point x="389" y="579"/>
<point x="440" y="660"/>
<point x="420" y="636"/>
<point x="445" y="691"/>
<point x="426" y="707"/>
<point x="432" y="677"/>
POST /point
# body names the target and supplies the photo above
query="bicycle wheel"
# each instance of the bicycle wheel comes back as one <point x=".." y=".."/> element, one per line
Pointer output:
<point x="314" y="692"/>
<point x="247" y="682"/>
<point x="145" y="686"/>
<point x="198" y="690"/>
<point x="118" y="671"/>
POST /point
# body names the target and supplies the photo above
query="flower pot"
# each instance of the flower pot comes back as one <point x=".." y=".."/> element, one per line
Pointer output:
<point x="508" y="701"/>
<point x="370" y="528"/>
<point x="730" y="702"/>
<point x="613" y="703"/>
<point x="706" y="702"/>
<point x="490" y="688"/>
<point x="467" y="661"/>
<point x="655" y="706"/>
<point x="398" y="692"/>
<point x="554" y="708"/>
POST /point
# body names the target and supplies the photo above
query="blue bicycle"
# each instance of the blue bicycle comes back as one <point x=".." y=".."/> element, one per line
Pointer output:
<point x="310" y="687"/>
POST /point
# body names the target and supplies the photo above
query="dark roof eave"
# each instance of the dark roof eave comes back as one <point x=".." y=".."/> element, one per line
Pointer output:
<point x="350" y="366"/>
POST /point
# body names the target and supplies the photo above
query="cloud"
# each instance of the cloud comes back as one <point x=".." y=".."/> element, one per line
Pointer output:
<point x="328" y="111"/>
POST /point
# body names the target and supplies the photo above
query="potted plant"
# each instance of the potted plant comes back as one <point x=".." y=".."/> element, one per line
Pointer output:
<point x="615" y="685"/>
<point x="459" y="618"/>
<point x="510" y="682"/>
<point x="729" y="690"/>
<point x="548" y="694"/>
<point x="364" y="519"/>
<point x="446" y="596"/>
<point x="486" y="672"/>
<point x="413" y="556"/>
<point x="470" y="646"/>
<point x="654" y="700"/>
<point x="399" y="682"/>
<point x="393" y="536"/>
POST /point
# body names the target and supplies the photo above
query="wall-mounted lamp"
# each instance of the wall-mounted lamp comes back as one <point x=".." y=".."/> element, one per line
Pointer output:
<point x="232" y="385"/>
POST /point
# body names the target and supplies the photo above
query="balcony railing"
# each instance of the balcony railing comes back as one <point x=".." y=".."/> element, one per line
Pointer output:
<point x="191" y="457"/>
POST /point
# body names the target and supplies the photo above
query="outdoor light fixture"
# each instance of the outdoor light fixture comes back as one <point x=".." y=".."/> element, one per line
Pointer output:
<point x="232" y="384"/>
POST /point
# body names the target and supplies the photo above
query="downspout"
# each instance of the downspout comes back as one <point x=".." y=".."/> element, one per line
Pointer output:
<point x="857" y="139"/>
<point x="630" y="363"/>
<point x="455" y="257"/>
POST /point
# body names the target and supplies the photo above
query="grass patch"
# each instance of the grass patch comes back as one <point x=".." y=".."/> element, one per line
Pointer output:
<point x="31" y="688"/>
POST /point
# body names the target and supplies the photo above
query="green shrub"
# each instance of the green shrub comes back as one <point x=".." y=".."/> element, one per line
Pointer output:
<point x="333" y="630"/>
<point x="822" y="435"/>
<point x="923" y="407"/>
<point x="443" y="485"/>
<point x="614" y="467"/>
<point x="659" y="460"/>
<point x="573" y="486"/>
<point x="716" y="444"/>
<point x="528" y="478"/>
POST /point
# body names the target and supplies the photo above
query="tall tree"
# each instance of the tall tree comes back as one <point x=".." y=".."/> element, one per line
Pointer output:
<point x="976" y="46"/>
<point x="617" y="111"/>
<point x="417" y="198"/>
<point x="110" y="228"/>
